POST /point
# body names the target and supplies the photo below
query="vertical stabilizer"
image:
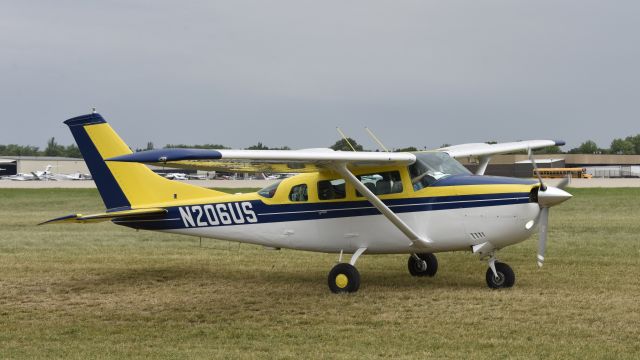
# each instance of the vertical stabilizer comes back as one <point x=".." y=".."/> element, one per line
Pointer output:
<point x="124" y="185"/>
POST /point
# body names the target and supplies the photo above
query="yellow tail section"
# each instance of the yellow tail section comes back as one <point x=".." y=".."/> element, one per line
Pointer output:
<point x="141" y="186"/>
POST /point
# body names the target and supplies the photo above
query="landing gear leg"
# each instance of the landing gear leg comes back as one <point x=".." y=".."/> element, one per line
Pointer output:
<point x="345" y="278"/>
<point x="499" y="275"/>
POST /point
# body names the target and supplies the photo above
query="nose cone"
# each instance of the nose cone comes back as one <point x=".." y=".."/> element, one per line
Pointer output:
<point x="552" y="196"/>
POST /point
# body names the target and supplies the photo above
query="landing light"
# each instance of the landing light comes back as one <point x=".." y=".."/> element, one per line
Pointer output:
<point x="529" y="224"/>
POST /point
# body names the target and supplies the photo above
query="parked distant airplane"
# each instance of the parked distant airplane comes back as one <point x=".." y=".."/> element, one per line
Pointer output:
<point x="47" y="174"/>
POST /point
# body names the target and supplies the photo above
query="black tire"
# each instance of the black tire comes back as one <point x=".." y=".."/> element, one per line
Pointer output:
<point x="415" y="266"/>
<point x="506" y="278"/>
<point x="344" y="278"/>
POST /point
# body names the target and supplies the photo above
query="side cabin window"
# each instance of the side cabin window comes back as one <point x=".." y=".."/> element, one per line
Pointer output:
<point x="299" y="193"/>
<point x="382" y="183"/>
<point x="331" y="189"/>
<point x="269" y="191"/>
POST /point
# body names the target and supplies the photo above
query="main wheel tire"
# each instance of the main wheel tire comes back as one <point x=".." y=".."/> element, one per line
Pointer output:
<point x="344" y="278"/>
<point x="417" y="269"/>
<point x="505" y="279"/>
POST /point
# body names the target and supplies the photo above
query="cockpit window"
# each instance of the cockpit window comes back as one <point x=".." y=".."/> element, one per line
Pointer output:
<point x="433" y="166"/>
<point x="269" y="191"/>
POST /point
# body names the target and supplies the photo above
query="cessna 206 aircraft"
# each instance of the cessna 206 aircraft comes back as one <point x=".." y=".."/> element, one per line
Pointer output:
<point x="341" y="202"/>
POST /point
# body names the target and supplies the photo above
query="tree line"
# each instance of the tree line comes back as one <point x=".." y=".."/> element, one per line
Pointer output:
<point x="622" y="146"/>
<point x="52" y="149"/>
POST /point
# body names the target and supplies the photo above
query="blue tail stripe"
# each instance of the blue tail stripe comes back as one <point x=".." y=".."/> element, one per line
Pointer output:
<point x="110" y="191"/>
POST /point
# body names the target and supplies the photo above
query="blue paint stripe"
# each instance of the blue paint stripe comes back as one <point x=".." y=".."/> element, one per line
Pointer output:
<point x="110" y="191"/>
<point x="300" y="212"/>
<point x="462" y="180"/>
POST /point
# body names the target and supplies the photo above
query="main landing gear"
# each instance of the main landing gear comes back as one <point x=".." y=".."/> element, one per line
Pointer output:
<point x="345" y="278"/>
<point x="499" y="275"/>
<point x="424" y="264"/>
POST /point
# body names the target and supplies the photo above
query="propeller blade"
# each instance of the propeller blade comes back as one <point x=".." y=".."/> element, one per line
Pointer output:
<point x="563" y="184"/>
<point x="543" y="187"/>
<point x="542" y="234"/>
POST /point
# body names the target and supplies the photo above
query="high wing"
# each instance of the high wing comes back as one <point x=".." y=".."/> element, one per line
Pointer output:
<point x="277" y="161"/>
<point x="482" y="149"/>
<point x="485" y="151"/>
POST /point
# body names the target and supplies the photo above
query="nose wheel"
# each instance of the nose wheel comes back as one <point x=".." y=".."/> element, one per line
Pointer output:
<point x="500" y="275"/>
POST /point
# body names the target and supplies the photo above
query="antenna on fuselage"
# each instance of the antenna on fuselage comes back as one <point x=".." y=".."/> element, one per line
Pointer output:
<point x="375" y="138"/>
<point x="344" y="137"/>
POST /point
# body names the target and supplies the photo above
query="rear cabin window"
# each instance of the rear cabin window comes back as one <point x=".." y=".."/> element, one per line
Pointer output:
<point x="299" y="193"/>
<point x="331" y="189"/>
<point x="382" y="183"/>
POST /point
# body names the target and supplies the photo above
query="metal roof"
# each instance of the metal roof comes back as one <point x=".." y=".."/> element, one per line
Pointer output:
<point x="40" y="158"/>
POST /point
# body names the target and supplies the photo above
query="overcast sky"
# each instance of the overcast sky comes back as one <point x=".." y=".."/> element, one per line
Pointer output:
<point x="236" y="72"/>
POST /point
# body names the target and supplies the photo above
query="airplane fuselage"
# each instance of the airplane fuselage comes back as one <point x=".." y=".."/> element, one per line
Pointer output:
<point x="457" y="213"/>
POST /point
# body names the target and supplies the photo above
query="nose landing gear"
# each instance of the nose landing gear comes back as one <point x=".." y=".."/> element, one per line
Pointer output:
<point x="499" y="275"/>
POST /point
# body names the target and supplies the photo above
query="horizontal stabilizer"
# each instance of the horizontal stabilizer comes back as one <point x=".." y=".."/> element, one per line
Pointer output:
<point x="79" y="218"/>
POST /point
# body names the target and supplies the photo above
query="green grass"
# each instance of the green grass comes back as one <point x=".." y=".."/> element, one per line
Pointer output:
<point x="103" y="291"/>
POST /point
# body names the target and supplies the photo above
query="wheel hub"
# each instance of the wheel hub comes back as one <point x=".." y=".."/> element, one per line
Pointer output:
<point x="342" y="281"/>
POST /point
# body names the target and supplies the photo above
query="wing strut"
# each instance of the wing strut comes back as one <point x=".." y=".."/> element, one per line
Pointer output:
<point x="416" y="239"/>
<point x="482" y="167"/>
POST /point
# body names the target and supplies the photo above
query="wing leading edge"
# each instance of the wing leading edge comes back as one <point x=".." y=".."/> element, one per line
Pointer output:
<point x="482" y="149"/>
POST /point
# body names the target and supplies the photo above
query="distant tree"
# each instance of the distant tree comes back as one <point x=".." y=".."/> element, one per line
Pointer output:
<point x="407" y="149"/>
<point x="342" y="145"/>
<point x="445" y="145"/>
<point x="635" y="140"/>
<point x="622" y="147"/>
<point x="492" y="142"/>
<point x="258" y="146"/>
<point x="549" y="150"/>
<point x="149" y="146"/>
<point x="587" y="147"/>
<point x="53" y="148"/>
<point x="22" y="150"/>
<point x="72" y="151"/>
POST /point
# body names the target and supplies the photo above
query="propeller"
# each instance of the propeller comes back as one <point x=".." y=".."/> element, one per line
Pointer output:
<point x="543" y="187"/>
<point x="547" y="197"/>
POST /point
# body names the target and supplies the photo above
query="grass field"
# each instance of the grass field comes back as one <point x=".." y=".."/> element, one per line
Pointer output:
<point x="102" y="291"/>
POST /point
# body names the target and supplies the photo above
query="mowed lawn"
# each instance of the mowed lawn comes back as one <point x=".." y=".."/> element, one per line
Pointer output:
<point x="103" y="291"/>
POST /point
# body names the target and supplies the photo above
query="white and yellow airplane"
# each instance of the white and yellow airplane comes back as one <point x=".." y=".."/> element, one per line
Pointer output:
<point x="341" y="202"/>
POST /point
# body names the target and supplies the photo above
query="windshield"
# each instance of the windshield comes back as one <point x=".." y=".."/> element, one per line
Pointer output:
<point x="270" y="190"/>
<point x="433" y="166"/>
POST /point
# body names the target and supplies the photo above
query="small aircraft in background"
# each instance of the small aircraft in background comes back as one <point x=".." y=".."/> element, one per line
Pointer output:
<point x="34" y="175"/>
<point x="417" y="203"/>
<point x="176" y="176"/>
<point x="47" y="175"/>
